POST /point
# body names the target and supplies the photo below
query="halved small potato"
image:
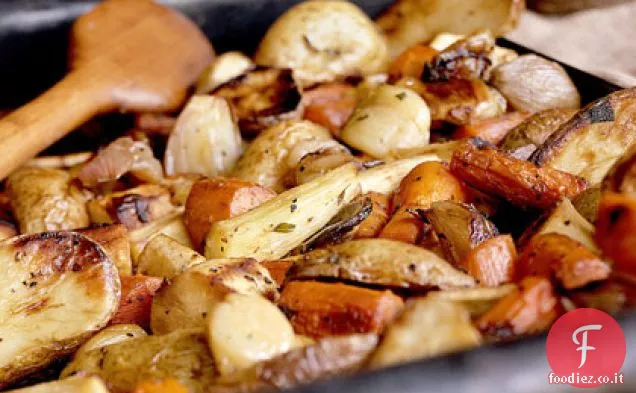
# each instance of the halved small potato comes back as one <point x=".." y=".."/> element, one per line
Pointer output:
<point x="245" y="329"/>
<point x="56" y="290"/>
<point x="74" y="385"/>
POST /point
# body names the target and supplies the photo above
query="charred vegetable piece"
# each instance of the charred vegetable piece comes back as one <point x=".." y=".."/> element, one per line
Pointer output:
<point x="521" y="183"/>
<point x="320" y="309"/>
<point x="492" y="262"/>
<point x="411" y="62"/>
<point x="616" y="230"/>
<point x="467" y="58"/>
<point x="380" y="262"/>
<point x="262" y="98"/>
<point x="410" y="337"/>
<point x="594" y="139"/>
<point x="530" y="309"/>
<point x="492" y="130"/>
<point x="532" y="84"/>
<point x="556" y="255"/>
<point x="330" y="105"/>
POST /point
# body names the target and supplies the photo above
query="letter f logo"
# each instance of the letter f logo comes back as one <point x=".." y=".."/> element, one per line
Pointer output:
<point x="584" y="347"/>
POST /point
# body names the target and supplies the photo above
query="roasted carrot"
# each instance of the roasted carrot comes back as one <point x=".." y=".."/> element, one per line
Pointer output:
<point x="377" y="219"/>
<point x="529" y="309"/>
<point x="491" y="262"/>
<point x="616" y="230"/>
<point x="330" y="105"/>
<point x="137" y="293"/>
<point x="565" y="259"/>
<point x="278" y="270"/>
<point x="217" y="199"/>
<point x="411" y="62"/>
<point x="168" y="385"/>
<point x="425" y="184"/>
<point x="493" y="129"/>
<point x="320" y="309"/>
<point x="520" y="182"/>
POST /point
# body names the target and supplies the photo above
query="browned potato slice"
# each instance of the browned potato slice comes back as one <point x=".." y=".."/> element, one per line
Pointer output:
<point x="182" y="355"/>
<point x="380" y="262"/>
<point x="165" y="257"/>
<point x="134" y="207"/>
<point x="45" y="199"/>
<point x="524" y="139"/>
<point x="186" y="301"/>
<point x="56" y="290"/>
<point x="74" y="385"/>
<point x="411" y="338"/>
<point x="409" y="22"/>
<point x="262" y="98"/>
<point x="467" y="58"/>
<point x="594" y="139"/>
<point x="114" y="240"/>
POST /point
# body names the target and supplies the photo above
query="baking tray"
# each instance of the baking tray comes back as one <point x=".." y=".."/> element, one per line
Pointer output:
<point x="33" y="42"/>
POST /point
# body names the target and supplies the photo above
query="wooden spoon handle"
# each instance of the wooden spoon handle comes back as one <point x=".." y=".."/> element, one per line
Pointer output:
<point x="37" y="125"/>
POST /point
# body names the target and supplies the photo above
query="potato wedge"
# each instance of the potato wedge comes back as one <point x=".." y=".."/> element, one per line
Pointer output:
<point x="74" y="385"/>
<point x="166" y="258"/>
<point x="616" y="230"/>
<point x="113" y="334"/>
<point x="521" y="183"/>
<point x="380" y="262"/>
<point x="223" y="68"/>
<point x="281" y="224"/>
<point x="377" y="219"/>
<point x="554" y="255"/>
<point x="185" y="302"/>
<point x="320" y="309"/>
<point x="245" y="329"/>
<point x="45" y="199"/>
<point x="408" y="22"/>
<point x="492" y="262"/>
<point x="323" y="41"/>
<point x="182" y="355"/>
<point x="594" y="139"/>
<point x="476" y="300"/>
<point x="134" y="207"/>
<point x="492" y="130"/>
<point x="217" y="199"/>
<point x="57" y="289"/>
<point x="137" y="293"/>
<point x="114" y="240"/>
<point x="410" y="338"/>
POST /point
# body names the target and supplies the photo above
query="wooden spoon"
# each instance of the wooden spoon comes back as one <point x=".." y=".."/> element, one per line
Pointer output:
<point x="131" y="55"/>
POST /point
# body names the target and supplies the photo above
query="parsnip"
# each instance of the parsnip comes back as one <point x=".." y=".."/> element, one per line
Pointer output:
<point x="165" y="257"/>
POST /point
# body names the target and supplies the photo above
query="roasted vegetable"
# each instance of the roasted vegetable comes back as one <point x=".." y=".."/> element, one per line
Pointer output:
<point x="616" y="230"/>
<point x="386" y="178"/>
<point x="278" y="270"/>
<point x="205" y="140"/>
<point x="245" y="329"/>
<point x="185" y="302"/>
<point x="594" y="139"/>
<point x="330" y="105"/>
<point x="318" y="163"/>
<point x="74" y="385"/>
<point x="281" y="224"/>
<point x="408" y="22"/>
<point x="223" y="68"/>
<point x="492" y="262"/>
<point x="377" y="219"/>
<point x="622" y="177"/>
<point x="166" y="258"/>
<point x="467" y="58"/>
<point x="388" y="119"/>
<point x="114" y="241"/>
<point x="171" y="225"/>
<point x="323" y="41"/>
<point x="411" y="62"/>
<point x="476" y="300"/>
<point x="180" y="186"/>
<point x="459" y="228"/>
<point x="521" y="183"/>
<point x="168" y="385"/>
<point x="112" y="334"/>
<point x="320" y="309"/>
<point x="217" y="199"/>
<point x="182" y="355"/>
<point x="137" y="293"/>
<point x="380" y="262"/>
<point x="65" y="161"/>
<point x="45" y="200"/>
<point x="410" y="338"/>
<point x="56" y="290"/>
<point x="151" y="123"/>
<point x="586" y="203"/>
<point x="492" y="130"/>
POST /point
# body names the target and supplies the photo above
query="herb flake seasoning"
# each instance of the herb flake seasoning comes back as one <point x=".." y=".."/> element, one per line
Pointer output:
<point x="400" y="96"/>
<point x="284" y="227"/>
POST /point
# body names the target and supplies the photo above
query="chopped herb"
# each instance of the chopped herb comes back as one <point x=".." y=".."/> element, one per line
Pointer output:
<point x="362" y="117"/>
<point x="401" y="96"/>
<point x="284" y="227"/>
<point x="293" y="207"/>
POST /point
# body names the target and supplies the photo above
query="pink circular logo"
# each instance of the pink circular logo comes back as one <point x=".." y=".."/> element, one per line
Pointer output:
<point x="586" y="348"/>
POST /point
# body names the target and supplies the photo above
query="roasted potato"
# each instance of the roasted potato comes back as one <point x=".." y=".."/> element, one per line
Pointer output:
<point x="388" y="119"/>
<point x="182" y="355"/>
<point x="45" y="199"/>
<point x="594" y="139"/>
<point x="217" y="199"/>
<point x="185" y="302"/>
<point x="616" y="230"/>
<point x="492" y="130"/>
<point x="321" y="309"/>
<point x="114" y="240"/>
<point x="408" y="22"/>
<point x="171" y="225"/>
<point x="113" y="334"/>
<point x="57" y="289"/>
<point x="410" y="338"/>
<point x="223" y="68"/>
<point x="166" y="258"/>
<point x="520" y="182"/>
<point x="74" y="385"/>
<point x="380" y="262"/>
<point x="476" y="300"/>
<point x="322" y="41"/>
<point x="281" y="224"/>
<point x="492" y="262"/>
<point x="468" y="58"/>
<point x="206" y="139"/>
<point x="278" y="149"/>
<point x="245" y="329"/>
